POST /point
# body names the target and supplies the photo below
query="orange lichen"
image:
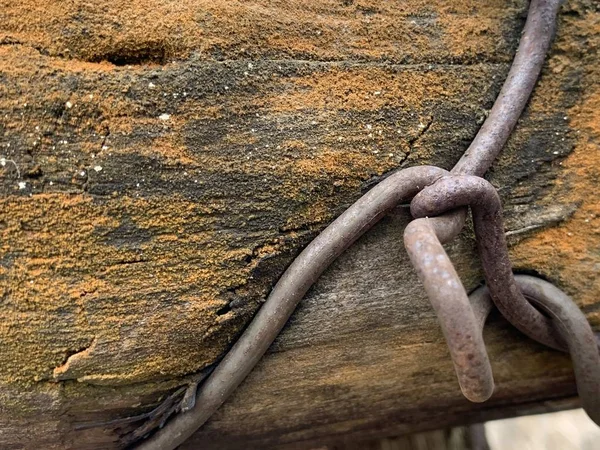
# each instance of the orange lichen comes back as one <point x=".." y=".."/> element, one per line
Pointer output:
<point x="147" y="276"/>
<point x="70" y="268"/>
<point x="153" y="31"/>
<point x="570" y="253"/>
<point x="372" y="88"/>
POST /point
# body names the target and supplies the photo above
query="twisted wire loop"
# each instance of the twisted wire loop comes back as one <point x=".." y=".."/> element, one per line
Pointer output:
<point x="462" y="318"/>
<point x="564" y="326"/>
<point x="431" y="262"/>
<point x="456" y="191"/>
<point x="571" y="325"/>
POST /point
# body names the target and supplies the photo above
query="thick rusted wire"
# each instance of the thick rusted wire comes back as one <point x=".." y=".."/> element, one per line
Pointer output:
<point x="431" y="262"/>
<point x="457" y="191"/>
<point x="565" y="327"/>
<point x="534" y="44"/>
<point x="304" y="271"/>
<point x="574" y="330"/>
<point x="526" y="67"/>
<point x="459" y="324"/>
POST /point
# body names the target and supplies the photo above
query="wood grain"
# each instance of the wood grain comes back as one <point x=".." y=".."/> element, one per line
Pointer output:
<point x="163" y="165"/>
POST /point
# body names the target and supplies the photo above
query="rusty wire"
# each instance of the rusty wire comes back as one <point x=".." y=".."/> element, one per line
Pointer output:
<point x="571" y="325"/>
<point x="526" y="67"/>
<point x="285" y="296"/>
<point x="456" y="191"/>
<point x="360" y="217"/>
<point x="575" y="330"/>
<point x="448" y="297"/>
<point x="432" y="263"/>
<point x="564" y="327"/>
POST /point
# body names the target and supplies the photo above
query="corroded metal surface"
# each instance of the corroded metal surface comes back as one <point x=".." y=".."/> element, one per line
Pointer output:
<point x="461" y="321"/>
<point x="573" y="328"/>
<point x="458" y="191"/>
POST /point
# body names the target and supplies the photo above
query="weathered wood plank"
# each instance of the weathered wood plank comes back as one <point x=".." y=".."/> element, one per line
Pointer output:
<point x="172" y="159"/>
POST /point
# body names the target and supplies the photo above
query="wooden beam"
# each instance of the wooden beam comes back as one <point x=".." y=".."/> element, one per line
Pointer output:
<point x="162" y="165"/>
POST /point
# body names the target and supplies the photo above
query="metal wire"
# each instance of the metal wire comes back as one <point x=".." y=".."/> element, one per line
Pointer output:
<point x="574" y="330"/>
<point x="563" y="327"/>
<point x="282" y="301"/>
<point x="361" y="216"/>
<point x="534" y="44"/>
<point x="431" y="262"/>
<point x="452" y="192"/>
<point x="459" y="324"/>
